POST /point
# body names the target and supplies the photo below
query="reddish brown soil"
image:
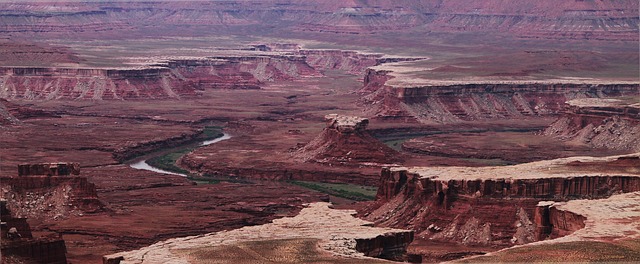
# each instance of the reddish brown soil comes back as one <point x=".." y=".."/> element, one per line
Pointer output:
<point x="492" y="39"/>
<point x="502" y="147"/>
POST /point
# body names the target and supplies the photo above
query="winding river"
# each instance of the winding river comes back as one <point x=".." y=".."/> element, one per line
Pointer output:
<point x="142" y="164"/>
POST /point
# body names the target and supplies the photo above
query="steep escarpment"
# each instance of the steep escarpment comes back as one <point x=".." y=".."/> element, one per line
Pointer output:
<point x="166" y="78"/>
<point x="610" y="20"/>
<point x="449" y="103"/>
<point x="494" y="205"/>
<point x="612" y="123"/>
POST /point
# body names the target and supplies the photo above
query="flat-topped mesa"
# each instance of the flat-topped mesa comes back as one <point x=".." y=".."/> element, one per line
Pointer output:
<point x="393" y="94"/>
<point x="600" y="123"/>
<point x="496" y="205"/>
<point x="345" y="140"/>
<point x="155" y="78"/>
<point x="346" y="124"/>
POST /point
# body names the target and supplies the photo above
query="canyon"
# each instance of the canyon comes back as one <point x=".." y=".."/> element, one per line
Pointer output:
<point x="492" y="130"/>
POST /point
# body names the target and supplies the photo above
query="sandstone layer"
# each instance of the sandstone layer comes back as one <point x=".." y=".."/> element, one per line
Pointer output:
<point x="428" y="100"/>
<point x="604" y="123"/>
<point x="543" y="19"/>
<point x="496" y="205"/>
<point x="338" y="231"/>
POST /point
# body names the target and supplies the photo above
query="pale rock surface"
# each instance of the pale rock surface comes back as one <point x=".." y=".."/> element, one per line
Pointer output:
<point x="337" y="230"/>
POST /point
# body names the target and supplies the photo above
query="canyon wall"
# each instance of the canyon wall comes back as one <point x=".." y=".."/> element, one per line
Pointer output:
<point x="392" y="246"/>
<point x="467" y="102"/>
<point x="548" y="19"/>
<point x="166" y="79"/>
<point x="486" y="211"/>
<point x="49" y="196"/>
<point x="600" y="126"/>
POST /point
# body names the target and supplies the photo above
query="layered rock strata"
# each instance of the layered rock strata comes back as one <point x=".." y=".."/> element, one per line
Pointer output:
<point x="455" y="102"/>
<point x="166" y="78"/>
<point x="495" y="205"/>
<point x="601" y="123"/>
<point x="547" y="19"/>
<point x="337" y="230"/>
<point x="612" y="218"/>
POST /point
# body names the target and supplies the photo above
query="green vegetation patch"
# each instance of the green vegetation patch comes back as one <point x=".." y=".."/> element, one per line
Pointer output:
<point x="168" y="161"/>
<point x="347" y="191"/>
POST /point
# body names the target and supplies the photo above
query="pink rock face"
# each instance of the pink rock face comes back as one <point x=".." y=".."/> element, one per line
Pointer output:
<point x="174" y="79"/>
<point x="604" y="124"/>
<point x="468" y="102"/>
<point x="539" y="19"/>
<point x="482" y="211"/>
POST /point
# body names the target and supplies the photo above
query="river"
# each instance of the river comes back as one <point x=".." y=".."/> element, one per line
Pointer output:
<point x="142" y="164"/>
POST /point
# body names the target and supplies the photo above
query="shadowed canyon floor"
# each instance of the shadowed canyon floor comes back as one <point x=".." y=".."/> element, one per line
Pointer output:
<point x="486" y="126"/>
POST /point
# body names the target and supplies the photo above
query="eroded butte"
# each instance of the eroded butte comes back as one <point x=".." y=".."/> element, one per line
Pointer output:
<point x="507" y="129"/>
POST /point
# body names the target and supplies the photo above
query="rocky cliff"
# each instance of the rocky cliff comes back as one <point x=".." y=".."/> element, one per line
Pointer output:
<point x="26" y="248"/>
<point x="448" y="103"/>
<point x="50" y="197"/>
<point x="172" y="78"/>
<point x="491" y="205"/>
<point x="602" y="123"/>
<point x="609" y="20"/>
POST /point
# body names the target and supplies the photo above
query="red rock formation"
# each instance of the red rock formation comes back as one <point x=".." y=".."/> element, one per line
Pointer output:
<point x="466" y="102"/>
<point x="35" y="196"/>
<point x="498" y="211"/>
<point x="391" y="246"/>
<point x="171" y="79"/>
<point x="553" y="223"/>
<point x="49" y="169"/>
<point x="541" y="19"/>
<point x="349" y="61"/>
<point x="26" y="249"/>
<point x="605" y="126"/>
<point x="345" y="139"/>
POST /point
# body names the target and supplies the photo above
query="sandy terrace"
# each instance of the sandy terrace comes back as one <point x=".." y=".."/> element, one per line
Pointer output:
<point x="534" y="170"/>
<point x="336" y="230"/>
